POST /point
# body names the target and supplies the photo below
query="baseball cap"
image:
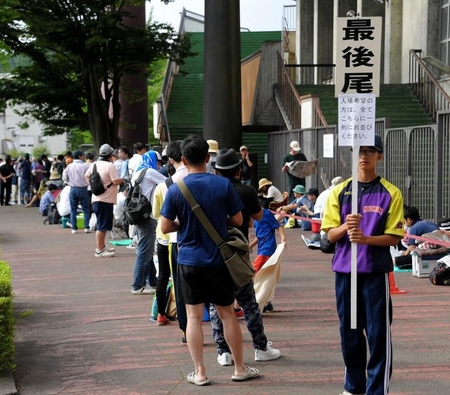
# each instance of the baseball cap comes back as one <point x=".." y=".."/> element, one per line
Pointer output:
<point x="105" y="150"/>
<point x="295" y="146"/>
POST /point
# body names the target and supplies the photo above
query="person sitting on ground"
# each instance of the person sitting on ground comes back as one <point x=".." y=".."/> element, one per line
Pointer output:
<point x="321" y="201"/>
<point x="38" y="193"/>
<point x="416" y="227"/>
<point x="48" y="198"/>
<point x="293" y="207"/>
<point x="268" y="194"/>
<point x="308" y="212"/>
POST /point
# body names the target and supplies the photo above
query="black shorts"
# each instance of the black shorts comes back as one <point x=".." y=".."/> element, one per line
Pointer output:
<point x="205" y="285"/>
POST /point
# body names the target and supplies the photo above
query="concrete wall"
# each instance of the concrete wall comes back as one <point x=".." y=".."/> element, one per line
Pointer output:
<point x="421" y="24"/>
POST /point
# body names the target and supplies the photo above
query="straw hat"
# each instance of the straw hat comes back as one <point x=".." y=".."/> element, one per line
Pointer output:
<point x="263" y="182"/>
<point x="213" y="146"/>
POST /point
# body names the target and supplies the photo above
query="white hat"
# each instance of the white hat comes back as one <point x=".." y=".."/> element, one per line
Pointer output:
<point x="336" y="181"/>
<point x="295" y="146"/>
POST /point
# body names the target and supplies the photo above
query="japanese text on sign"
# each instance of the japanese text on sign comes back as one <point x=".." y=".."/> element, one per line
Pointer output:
<point x="358" y="56"/>
<point x="356" y="119"/>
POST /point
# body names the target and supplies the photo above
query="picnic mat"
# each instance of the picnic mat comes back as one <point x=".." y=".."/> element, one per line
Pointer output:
<point x="397" y="269"/>
<point x="124" y="242"/>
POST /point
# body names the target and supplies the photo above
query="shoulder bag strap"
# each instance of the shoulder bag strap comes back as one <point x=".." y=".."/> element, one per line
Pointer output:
<point x="141" y="176"/>
<point x="200" y="213"/>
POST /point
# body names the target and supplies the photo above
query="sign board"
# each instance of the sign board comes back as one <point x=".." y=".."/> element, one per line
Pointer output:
<point x="356" y="119"/>
<point x="328" y="145"/>
<point x="358" y="54"/>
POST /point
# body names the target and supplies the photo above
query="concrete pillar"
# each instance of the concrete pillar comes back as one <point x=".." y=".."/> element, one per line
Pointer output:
<point x="325" y="23"/>
<point x="133" y="126"/>
<point x="371" y="8"/>
<point x="222" y="119"/>
<point x="340" y="9"/>
<point x="305" y="34"/>
<point x="393" y="42"/>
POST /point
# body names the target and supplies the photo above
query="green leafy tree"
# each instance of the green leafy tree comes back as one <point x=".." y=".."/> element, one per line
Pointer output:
<point x="76" y="54"/>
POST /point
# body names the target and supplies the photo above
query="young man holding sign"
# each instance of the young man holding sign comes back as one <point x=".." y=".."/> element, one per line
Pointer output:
<point x="377" y="225"/>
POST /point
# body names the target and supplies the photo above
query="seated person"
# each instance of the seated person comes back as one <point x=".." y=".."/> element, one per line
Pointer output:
<point x="48" y="198"/>
<point x="269" y="194"/>
<point x="308" y="212"/>
<point x="416" y="227"/>
<point x="300" y="199"/>
<point x="37" y="194"/>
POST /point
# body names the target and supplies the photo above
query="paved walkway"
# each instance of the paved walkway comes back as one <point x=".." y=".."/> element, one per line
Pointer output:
<point x="83" y="332"/>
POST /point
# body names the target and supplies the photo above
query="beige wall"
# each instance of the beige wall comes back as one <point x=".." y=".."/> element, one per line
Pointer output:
<point x="249" y="75"/>
<point x="414" y="34"/>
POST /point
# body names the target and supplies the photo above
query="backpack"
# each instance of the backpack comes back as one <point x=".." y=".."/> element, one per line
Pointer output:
<point x="53" y="217"/>
<point x="326" y="246"/>
<point x="96" y="183"/>
<point x="137" y="206"/>
<point x="440" y="275"/>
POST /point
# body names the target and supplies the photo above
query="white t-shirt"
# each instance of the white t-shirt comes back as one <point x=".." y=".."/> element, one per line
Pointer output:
<point x="321" y="201"/>
<point x="134" y="162"/>
<point x="275" y="193"/>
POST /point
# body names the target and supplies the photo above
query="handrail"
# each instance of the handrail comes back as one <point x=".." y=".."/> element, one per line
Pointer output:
<point x="289" y="95"/>
<point x="314" y="74"/>
<point x="319" y="118"/>
<point x="291" y="99"/>
<point x="425" y="87"/>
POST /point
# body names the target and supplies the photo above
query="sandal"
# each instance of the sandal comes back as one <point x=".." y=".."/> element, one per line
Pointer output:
<point x="191" y="379"/>
<point x="251" y="373"/>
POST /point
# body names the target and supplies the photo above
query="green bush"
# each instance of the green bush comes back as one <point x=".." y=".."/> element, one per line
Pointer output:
<point x="6" y="319"/>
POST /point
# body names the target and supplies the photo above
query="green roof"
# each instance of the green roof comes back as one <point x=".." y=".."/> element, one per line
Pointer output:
<point x="185" y="108"/>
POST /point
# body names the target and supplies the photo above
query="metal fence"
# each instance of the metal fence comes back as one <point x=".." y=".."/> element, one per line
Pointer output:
<point x="416" y="160"/>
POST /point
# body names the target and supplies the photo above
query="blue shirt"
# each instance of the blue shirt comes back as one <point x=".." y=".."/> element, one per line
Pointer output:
<point x="47" y="199"/>
<point x="219" y="200"/>
<point x="265" y="233"/>
<point x="419" y="228"/>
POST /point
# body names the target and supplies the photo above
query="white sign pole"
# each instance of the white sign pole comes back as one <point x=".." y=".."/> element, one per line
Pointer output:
<point x="357" y="84"/>
<point x="354" y="246"/>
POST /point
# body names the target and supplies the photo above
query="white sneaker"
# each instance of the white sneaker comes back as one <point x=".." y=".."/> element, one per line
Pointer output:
<point x="225" y="359"/>
<point x="268" y="355"/>
<point x="144" y="291"/>
<point x="104" y="253"/>
<point x="87" y="230"/>
<point x="348" y="393"/>
<point x="74" y="231"/>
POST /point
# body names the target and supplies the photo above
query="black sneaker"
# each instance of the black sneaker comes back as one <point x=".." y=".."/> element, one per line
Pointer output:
<point x="184" y="340"/>
<point x="268" y="308"/>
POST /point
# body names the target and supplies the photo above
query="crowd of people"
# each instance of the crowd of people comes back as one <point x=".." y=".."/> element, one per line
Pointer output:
<point x="219" y="180"/>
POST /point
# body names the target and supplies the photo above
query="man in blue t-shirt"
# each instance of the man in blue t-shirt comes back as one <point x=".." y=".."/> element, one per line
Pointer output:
<point x="203" y="276"/>
<point x="416" y="227"/>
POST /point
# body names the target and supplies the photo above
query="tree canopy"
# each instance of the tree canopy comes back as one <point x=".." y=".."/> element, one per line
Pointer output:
<point x="74" y="55"/>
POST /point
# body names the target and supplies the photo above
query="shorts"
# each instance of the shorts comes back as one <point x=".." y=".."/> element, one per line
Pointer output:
<point x="105" y="217"/>
<point x="205" y="285"/>
<point x="259" y="262"/>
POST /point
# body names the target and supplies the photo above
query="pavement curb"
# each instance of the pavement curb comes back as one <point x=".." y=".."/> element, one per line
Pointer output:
<point x="7" y="384"/>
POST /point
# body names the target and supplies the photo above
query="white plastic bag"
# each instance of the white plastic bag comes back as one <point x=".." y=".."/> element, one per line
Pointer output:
<point x="63" y="205"/>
